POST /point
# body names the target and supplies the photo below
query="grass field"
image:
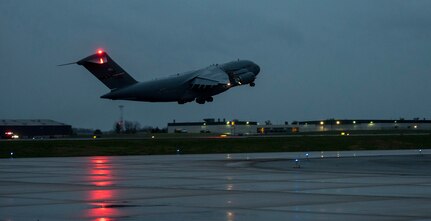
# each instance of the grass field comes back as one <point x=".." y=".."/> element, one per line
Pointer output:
<point x="193" y="145"/>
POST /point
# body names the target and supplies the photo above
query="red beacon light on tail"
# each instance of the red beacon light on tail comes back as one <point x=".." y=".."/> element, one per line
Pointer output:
<point x="101" y="60"/>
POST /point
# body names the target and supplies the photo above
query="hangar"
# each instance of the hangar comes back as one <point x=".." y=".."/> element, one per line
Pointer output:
<point x="35" y="128"/>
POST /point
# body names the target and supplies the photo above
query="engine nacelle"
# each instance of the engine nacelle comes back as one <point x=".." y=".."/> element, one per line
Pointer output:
<point x="246" y="78"/>
<point x="241" y="71"/>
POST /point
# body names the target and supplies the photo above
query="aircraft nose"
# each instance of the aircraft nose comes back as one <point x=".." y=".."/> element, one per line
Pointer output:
<point x="256" y="69"/>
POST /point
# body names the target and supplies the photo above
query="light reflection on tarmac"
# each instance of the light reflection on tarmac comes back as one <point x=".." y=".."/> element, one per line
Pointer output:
<point x="351" y="185"/>
<point x="101" y="175"/>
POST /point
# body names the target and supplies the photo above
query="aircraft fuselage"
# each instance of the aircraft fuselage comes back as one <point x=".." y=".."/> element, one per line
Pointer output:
<point x="171" y="89"/>
<point x="199" y="85"/>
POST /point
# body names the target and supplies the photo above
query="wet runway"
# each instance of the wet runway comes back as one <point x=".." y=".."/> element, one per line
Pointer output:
<point x="369" y="185"/>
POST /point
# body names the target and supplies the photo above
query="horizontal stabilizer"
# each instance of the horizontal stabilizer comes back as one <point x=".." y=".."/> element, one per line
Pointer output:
<point x="67" y="64"/>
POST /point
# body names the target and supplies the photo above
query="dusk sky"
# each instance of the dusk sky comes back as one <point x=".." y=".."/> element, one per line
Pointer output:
<point x="319" y="59"/>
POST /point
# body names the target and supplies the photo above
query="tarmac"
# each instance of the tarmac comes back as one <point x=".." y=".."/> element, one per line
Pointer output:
<point x="351" y="185"/>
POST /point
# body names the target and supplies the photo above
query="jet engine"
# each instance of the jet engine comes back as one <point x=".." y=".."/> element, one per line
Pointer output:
<point x="246" y="78"/>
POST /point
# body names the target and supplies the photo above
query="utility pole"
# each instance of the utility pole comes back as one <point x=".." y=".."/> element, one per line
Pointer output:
<point x="121" y="117"/>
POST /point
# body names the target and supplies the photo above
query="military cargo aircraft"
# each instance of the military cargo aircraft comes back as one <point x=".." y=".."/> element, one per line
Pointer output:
<point x="198" y="85"/>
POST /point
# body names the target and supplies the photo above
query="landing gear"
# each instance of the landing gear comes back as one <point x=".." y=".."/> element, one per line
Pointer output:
<point x="202" y="100"/>
<point x="252" y="84"/>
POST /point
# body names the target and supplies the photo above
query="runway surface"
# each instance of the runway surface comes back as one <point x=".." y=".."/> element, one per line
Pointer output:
<point x="368" y="185"/>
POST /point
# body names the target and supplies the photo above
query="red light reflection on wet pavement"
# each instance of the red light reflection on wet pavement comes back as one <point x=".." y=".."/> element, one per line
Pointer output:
<point x="101" y="176"/>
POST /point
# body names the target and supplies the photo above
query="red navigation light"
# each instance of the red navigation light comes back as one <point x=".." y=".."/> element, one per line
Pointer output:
<point x="100" y="51"/>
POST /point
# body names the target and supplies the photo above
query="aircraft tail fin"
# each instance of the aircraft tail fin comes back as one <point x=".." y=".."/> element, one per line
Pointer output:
<point x="106" y="70"/>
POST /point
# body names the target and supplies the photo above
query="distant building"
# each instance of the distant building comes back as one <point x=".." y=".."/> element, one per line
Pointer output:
<point x="234" y="127"/>
<point x="277" y="129"/>
<point x="346" y="125"/>
<point x="360" y="124"/>
<point x="249" y="128"/>
<point x="243" y="127"/>
<point x="35" y="128"/>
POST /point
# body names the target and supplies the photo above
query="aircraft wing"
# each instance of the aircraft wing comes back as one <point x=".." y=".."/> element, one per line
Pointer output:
<point x="210" y="77"/>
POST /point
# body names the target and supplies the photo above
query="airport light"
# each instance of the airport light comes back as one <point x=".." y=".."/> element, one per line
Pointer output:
<point x="354" y="122"/>
<point x="232" y="129"/>
<point x="322" y="123"/>
<point x="227" y="123"/>
<point x="229" y="187"/>
<point x="415" y="126"/>
<point x="247" y="123"/>
<point x="297" y="165"/>
<point x="338" y="122"/>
